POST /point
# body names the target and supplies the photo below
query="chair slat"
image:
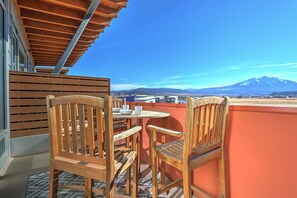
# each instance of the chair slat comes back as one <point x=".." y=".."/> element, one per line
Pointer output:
<point x="221" y="122"/>
<point x="65" y="116"/>
<point x="201" y="125"/>
<point x="73" y="110"/>
<point x="81" y="115"/>
<point x="218" y="121"/>
<point x="208" y="137"/>
<point x="99" y="125"/>
<point x="90" y="133"/>
<point x="206" y="125"/>
<point x="59" y="127"/>
<point x="211" y="123"/>
<point x="195" y="127"/>
<point x="215" y="120"/>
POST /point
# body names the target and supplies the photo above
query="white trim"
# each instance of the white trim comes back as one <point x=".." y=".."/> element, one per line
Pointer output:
<point x="29" y="145"/>
<point x="5" y="166"/>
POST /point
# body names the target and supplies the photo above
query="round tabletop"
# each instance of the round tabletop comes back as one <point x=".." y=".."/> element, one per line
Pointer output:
<point x="144" y="114"/>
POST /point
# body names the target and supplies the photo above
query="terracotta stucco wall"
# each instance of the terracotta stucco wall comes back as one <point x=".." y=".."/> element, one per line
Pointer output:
<point x="261" y="151"/>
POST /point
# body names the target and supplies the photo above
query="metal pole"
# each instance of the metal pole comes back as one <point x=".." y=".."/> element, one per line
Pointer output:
<point x="92" y="8"/>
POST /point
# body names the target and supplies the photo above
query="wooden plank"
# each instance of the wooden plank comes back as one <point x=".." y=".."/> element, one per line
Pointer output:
<point x="17" y="73"/>
<point x="28" y="125"/>
<point x="32" y="94"/>
<point x="28" y="117"/>
<point x="38" y="87"/>
<point x="28" y="132"/>
<point x="16" y="110"/>
<point x="23" y="102"/>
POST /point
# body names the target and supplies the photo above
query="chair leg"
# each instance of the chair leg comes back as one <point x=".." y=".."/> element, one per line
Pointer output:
<point x="135" y="179"/>
<point x="89" y="183"/>
<point x="109" y="190"/>
<point x="54" y="182"/>
<point x="154" y="177"/>
<point x="128" y="173"/>
<point x="187" y="182"/>
<point x="128" y="181"/>
<point x="222" y="170"/>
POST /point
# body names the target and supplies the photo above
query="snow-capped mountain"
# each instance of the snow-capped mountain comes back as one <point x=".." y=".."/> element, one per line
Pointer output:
<point x="251" y="87"/>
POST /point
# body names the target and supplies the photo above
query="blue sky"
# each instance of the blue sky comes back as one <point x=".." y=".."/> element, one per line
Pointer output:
<point x="195" y="44"/>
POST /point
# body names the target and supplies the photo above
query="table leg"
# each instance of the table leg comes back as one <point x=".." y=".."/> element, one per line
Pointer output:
<point x="139" y="123"/>
<point x="128" y="173"/>
<point x="162" y="164"/>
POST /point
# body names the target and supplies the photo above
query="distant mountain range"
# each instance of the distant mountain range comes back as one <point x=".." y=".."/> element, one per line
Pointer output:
<point x="251" y="87"/>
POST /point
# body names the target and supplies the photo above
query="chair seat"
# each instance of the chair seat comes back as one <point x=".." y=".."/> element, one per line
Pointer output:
<point x="123" y="159"/>
<point x="172" y="151"/>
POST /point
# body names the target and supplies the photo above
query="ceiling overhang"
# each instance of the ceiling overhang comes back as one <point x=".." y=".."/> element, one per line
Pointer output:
<point x="49" y="26"/>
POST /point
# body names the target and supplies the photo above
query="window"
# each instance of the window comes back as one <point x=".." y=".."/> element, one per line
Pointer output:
<point x="22" y="65"/>
<point x="2" y="72"/>
<point x="18" y="56"/>
<point x="14" y="53"/>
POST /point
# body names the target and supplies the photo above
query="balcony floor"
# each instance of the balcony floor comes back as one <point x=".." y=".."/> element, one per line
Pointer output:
<point x="12" y="184"/>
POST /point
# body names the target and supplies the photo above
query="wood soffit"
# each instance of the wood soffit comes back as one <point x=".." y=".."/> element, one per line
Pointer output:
<point x="49" y="25"/>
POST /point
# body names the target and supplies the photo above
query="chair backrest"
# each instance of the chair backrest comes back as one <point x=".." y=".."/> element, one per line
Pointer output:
<point x="205" y="124"/>
<point x="118" y="102"/>
<point x="81" y="128"/>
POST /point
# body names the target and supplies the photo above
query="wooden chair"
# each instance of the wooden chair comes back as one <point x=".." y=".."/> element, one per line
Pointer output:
<point x="83" y="143"/>
<point x="203" y="141"/>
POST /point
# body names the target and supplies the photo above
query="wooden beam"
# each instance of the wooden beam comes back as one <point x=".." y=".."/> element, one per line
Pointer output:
<point x="114" y="5"/>
<point x="55" y="40"/>
<point x="49" y="18"/>
<point x="56" y="35"/>
<point x="40" y="44"/>
<point x="76" y="51"/>
<point x="47" y="44"/>
<point x="119" y="2"/>
<point x="41" y="55"/>
<point x="39" y="58"/>
<point x="102" y="10"/>
<point x="58" y="28"/>
<point x="52" y="9"/>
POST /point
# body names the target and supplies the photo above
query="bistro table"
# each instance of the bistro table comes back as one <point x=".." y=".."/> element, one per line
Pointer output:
<point x="139" y="120"/>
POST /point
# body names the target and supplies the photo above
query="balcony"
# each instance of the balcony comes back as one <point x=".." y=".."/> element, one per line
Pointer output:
<point x="261" y="141"/>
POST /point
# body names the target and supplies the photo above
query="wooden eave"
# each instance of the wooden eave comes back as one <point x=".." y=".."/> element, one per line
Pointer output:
<point x="49" y="25"/>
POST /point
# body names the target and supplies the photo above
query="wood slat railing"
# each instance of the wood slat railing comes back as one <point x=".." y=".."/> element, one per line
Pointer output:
<point x="27" y="92"/>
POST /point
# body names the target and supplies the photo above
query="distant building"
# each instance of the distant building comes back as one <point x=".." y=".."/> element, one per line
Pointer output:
<point x="148" y="99"/>
<point x="159" y="99"/>
<point x="171" y="99"/>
